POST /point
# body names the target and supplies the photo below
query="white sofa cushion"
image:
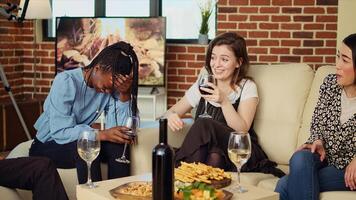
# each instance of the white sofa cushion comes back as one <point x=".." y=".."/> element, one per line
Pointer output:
<point x="320" y="74"/>
<point x="283" y="90"/>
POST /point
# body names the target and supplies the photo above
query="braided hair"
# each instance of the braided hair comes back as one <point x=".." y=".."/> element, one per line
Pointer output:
<point x="119" y="58"/>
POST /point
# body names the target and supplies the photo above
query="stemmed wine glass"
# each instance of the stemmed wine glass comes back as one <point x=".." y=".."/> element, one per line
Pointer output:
<point x="204" y="79"/>
<point x="239" y="150"/>
<point x="133" y="123"/>
<point x="88" y="146"/>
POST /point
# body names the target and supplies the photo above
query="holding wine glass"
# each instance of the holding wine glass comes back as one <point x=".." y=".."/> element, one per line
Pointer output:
<point x="203" y="83"/>
<point x="88" y="146"/>
<point x="239" y="150"/>
<point x="133" y="123"/>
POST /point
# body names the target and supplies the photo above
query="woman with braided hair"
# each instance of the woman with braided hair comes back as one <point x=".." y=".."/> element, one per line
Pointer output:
<point x="76" y="100"/>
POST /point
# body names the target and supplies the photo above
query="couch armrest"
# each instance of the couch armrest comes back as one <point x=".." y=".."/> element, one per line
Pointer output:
<point x="141" y="154"/>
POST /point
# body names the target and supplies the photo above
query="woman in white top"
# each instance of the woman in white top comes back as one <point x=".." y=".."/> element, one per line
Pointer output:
<point x="232" y="103"/>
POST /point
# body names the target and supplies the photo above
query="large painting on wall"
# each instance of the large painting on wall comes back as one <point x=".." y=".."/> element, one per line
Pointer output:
<point x="80" y="39"/>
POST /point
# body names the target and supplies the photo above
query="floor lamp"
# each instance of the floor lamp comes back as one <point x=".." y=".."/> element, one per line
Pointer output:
<point x="34" y="9"/>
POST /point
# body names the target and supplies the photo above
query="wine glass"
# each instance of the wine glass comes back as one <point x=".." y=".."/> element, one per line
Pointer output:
<point x="88" y="146"/>
<point x="204" y="79"/>
<point x="239" y="151"/>
<point x="133" y="123"/>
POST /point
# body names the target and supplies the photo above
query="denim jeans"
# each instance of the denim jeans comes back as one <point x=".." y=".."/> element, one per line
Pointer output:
<point x="66" y="156"/>
<point x="308" y="177"/>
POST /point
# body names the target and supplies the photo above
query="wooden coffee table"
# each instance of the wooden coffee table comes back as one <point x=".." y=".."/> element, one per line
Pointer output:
<point x="102" y="191"/>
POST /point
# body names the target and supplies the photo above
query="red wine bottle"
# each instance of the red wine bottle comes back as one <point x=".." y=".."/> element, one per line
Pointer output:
<point x="163" y="166"/>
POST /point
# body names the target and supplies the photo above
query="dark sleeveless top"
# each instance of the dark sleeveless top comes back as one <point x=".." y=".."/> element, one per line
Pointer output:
<point x="258" y="161"/>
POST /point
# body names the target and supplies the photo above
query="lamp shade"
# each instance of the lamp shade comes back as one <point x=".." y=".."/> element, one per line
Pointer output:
<point x="35" y="9"/>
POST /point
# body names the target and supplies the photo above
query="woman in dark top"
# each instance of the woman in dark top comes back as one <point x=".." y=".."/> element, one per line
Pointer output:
<point x="327" y="161"/>
<point x="232" y="103"/>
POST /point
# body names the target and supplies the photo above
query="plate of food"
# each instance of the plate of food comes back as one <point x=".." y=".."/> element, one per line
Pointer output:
<point x="199" y="172"/>
<point x="138" y="190"/>
<point x="202" y="191"/>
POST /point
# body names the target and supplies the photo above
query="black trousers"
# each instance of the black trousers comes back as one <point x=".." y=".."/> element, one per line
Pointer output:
<point x="33" y="173"/>
<point x="66" y="156"/>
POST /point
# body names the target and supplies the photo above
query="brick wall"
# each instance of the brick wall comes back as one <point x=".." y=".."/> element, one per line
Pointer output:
<point x="276" y="31"/>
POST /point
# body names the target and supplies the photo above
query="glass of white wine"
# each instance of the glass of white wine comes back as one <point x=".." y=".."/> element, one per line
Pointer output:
<point x="239" y="150"/>
<point x="88" y="146"/>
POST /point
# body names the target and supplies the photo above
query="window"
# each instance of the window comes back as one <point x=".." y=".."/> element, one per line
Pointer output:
<point x="183" y="16"/>
<point x="183" y="19"/>
<point x="70" y="8"/>
<point x="129" y="8"/>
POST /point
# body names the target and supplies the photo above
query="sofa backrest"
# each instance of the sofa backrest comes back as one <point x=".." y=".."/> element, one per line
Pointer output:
<point x="320" y="74"/>
<point x="283" y="90"/>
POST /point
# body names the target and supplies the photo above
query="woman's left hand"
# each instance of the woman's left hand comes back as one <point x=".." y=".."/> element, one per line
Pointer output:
<point x="350" y="175"/>
<point x="215" y="94"/>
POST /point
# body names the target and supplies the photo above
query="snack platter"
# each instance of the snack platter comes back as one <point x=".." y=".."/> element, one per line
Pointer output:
<point x="194" y="179"/>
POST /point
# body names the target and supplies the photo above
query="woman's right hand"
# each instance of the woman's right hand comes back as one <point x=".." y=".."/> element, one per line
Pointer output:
<point x="317" y="147"/>
<point x="175" y="123"/>
<point x="115" y="134"/>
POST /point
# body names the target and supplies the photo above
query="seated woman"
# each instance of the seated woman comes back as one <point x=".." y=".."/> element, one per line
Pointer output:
<point x="232" y="103"/>
<point x="76" y="100"/>
<point x="327" y="161"/>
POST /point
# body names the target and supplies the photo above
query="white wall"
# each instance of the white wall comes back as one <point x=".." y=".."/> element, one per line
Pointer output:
<point x="346" y="19"/>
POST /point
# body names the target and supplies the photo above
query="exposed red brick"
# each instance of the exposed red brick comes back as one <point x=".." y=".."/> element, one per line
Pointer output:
<point x="184" y="86"/>
<point x="222" y="2"/>
<point x="201" y="57"/>
<point x="313" y="43"/>
<point x="290" y="26"/>
<point x="268" y="26"/>
<point x="331" y="43"/>
<point x="280" y="34"/>
<point x="303" y="51"/>
<point x="237" y="18"/>
<point x="251" y="42"/>
<point x="227" y="9"/>
<point x="325" y="51"/>
<point x="186" y="57"/>
<point x="313" y="26"/>
<point x="177" y="49"/>
<point x="291" y="10"/>
<point x="186" y="72"/>
<point x="280" y="18"/>
<point x="303" y="18"/>
<point x="222" y="17"/>
<point x="191" y="79"/>
<point x="171" y="56"/>
<point x="175" y="93"/>
<point x="290" y="58"/>
<point x="279" y="50"/>
<point x="252" y="58"/>
<point x="314" y="10"/>
<point x="269" y="43"/>
<point x="247" y="26"/>
<point x="248" y="10"/>
<point x="281" y="2"/>
<point x="176" y="64"/>
<point x="323" y="18"/>
<point x="315" y="59"/>
<point x="332" y="10"/>
<point x="327" y="2"/>
<point x="332" y="27"/>
<point x="172" y="79"/>
<point x="264" y="58"/>
<point x="302" y="34"/>
<point x="227" y="25"/>
<point x="258" y="34"/>
<point x="269" y="9"/>
<point x="258" y="50"/>
<point x="196" y="49"/>
<point x="260" y="2"/>
<point x="304" y="2"/>
<point x="331" y="60"/>
<point x="49" y="46"/>
<point x="196" y="64"/>
<point x="259" y="18"/>
<point x="238" y="2"/>
<point x="325" y="34"/>
<point x="172" y="71"/>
